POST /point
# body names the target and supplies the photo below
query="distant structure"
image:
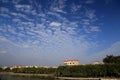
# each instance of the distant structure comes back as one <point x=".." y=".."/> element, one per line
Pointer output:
<point x="97" y="62"/>
<point x="20" y="66"/>
<point x="71" y="62"/>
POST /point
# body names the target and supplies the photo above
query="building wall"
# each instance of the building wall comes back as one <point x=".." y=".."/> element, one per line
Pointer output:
<point x="71" y="62"/>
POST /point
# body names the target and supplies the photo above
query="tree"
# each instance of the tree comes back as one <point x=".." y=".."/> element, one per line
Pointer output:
<point x="7" y="69"/>
<point x="1" y="69"/>
<point x="112" y="59"/>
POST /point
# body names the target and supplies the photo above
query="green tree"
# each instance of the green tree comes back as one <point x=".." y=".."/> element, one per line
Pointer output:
<point x="105" y="70"/>
<point x="35" y="70"/>
<point x="7" y="69"/>
<point x="112" y="59"/>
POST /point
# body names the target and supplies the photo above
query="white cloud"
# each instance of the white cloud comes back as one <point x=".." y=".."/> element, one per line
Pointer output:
<point x="16" y="20"/>
<point x="58" y="10"/>
<point x="75" y="8"/>
<point x="70" y="27"/>
<point x="90" y="14"/>
<point x="58" y="6"/>
<point x="4" y="10"/>
<point x="95" y="28"/>
<point x="55" y="24"/>
<point x="86" y="29"/>
<point x="61" y="3"/>
<point x="59" y="17"/>
<point x="5" y="40"/>
<point x="41" y="15"/>
<point x="21" y="15"/>
<point x="15" y="1"/>
<point x="3" y="28"/>
<point x="8" y="28"/>
<point x="5" y="15"/>
<point x="11" y="29"/>
<point x="30" y="33"/>
<point x="26" y="9"/>
<point x="85" y="21"/>
<point x="18" y="15"/>
<point x="18" y="6"/>
<point x="90" y="29"/>
<point x="21" y="28"/>
<point x="27" y="24"/>
<point x="36" y="42"/>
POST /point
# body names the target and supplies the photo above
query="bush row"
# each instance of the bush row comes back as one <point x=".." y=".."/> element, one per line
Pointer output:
<point x="106" y="70"/>
<point x="34" y="70"/>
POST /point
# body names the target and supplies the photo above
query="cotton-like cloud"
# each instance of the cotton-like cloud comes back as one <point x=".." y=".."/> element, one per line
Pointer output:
<point x="16" y="20"/>
<point x="4" y="10"/>
<point x="23" y="6"/>
<point x="15" y="1"/>
<point x="26" y="9"/>
<point x="55" y="24"/>
<point x="58" y="6"/>
<point x="47" y="32"/>
<point x="75" y="8"/>
<point x="5" y="15"/>
<point x="95" y="28"/>
<point x="18" y="15"/>
<point x="90" y="14"/>
<point x="85" y="21"/>
<point x="90" y="29"/>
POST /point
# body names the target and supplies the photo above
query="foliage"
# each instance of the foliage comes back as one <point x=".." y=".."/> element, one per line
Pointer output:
<point x="106" y="70"/>
<point x="35" y="70"/>
<point x="112" y="59"/>
<point x="111" y="68"/>
<point x="1" y="69"/>
<point x="7" y="69"/>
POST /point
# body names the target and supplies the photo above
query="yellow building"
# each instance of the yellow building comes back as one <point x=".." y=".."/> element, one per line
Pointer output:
<point x="71" y="62"/>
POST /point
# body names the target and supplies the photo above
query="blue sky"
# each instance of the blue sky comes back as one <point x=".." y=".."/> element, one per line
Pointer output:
<point x="47" y="32"/>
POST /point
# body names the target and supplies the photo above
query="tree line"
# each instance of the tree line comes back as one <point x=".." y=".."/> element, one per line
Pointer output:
<point x="109" y="59"/>
<point x="110" y="68"/>
<point x="106" y="70"/>
<point x="35" y="70"/>
<point x="32" y="70"/>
